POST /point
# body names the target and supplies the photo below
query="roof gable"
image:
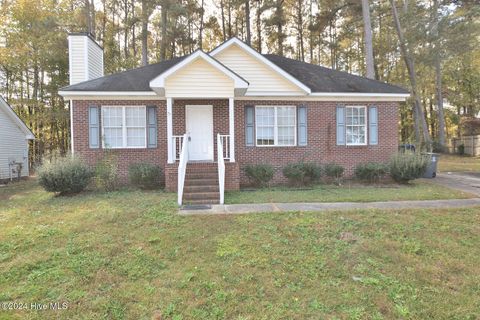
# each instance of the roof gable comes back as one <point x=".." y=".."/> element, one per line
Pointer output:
<point x="247" y="62"/>
<point x="16" y="119"/>
<point x="211" y="67"/>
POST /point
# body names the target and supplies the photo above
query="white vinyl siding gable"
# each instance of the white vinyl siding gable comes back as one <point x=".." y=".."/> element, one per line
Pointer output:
<point x="199" y="79"/>
<point x="262" y="79"/>
<point x="13" y="145"/>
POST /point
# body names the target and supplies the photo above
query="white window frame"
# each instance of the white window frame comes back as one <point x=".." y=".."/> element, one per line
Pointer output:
<point x="357" y="125"/>
<point x="275" y="128"/>
<point x="124" y="127"/>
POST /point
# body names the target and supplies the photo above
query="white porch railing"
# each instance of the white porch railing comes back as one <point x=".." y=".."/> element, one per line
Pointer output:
<point x="182" y="169"/>
<point x="221" y="167"/>
<point x="225" y="138"/>
<point x="177" y="146"/>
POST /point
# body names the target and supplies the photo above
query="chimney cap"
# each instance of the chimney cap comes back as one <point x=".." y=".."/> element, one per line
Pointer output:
<point x="87" y="34"/>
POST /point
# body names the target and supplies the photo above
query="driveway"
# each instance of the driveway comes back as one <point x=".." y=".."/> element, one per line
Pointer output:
<point x="463" y="181"/>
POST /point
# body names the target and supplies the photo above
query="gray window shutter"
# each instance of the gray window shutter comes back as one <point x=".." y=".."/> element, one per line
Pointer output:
<point x="249" y="126"/>
<point x="340" y="125"/>
<point x="372" y="125"/>
<point x="94" y="127"/>
<point x="302" y="125"/>
<point x="151" y="127"/>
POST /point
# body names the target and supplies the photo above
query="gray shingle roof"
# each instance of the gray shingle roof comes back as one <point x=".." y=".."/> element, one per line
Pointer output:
<point x="321" y="79"/>
<point x="131" y="80"/>
<point x="317" y="78"/>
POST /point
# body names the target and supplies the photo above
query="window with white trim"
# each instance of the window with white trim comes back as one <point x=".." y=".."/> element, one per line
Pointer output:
<point x="124" y="127"/>
<point x="356" y="125"/>
<point x="275" y="125"/>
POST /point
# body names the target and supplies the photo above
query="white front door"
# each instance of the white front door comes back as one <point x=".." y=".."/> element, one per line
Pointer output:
<point x="199" y="123"/>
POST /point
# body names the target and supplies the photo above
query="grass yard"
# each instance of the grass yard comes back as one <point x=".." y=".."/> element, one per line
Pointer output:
<point x="127" y="255"/>
<point x="452" y="163"/>
<point x="418" y="190"/>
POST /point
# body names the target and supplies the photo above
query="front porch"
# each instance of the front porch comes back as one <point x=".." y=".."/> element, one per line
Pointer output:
<point x="200" y="144"/>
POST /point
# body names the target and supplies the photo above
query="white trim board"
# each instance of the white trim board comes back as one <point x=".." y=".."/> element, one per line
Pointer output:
<point x="255" y="54"/>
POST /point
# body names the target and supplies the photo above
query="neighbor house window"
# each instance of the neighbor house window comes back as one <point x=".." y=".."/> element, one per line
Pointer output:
<point x="356" y="125"/>
<point x="124" y="127"/>
<point x="275" y="126"/>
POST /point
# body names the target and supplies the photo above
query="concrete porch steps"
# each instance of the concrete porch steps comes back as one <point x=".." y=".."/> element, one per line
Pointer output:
<point x="201" y="184"/>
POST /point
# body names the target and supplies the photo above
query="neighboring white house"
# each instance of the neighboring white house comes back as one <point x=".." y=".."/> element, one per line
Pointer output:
<point x="14" y="136"/>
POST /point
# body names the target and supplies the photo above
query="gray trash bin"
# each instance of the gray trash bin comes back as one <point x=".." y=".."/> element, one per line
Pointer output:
<point x="431" y="171"/>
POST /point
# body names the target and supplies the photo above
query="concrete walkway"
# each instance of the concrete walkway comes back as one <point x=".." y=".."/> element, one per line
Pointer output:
<point x="282" y="207"/>
<point x="464" y="181"/>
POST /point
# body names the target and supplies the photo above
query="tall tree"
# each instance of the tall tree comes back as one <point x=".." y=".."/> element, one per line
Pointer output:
<point x="247" y="22"/>
<point x="368" y="39"/>
<point x="421" y="129"/>
<point x="438" y="75"/>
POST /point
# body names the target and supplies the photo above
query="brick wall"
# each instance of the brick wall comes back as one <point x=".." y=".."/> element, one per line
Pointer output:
<point x="321" y="146"/>
<point x="125" y="157"/>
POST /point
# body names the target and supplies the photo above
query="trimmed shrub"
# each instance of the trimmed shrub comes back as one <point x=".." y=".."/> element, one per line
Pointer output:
<point x="461" y="149"/>
<point x="408" y="166"/>
<point x="302" y="173"/>
<point x="371" y="171"/>
<point x="334" y="171"/>
<point x="106" y="172"/>
<point x="259" y="174"/>
<point x="144" y="175"/>
<point x="65" y="175"/>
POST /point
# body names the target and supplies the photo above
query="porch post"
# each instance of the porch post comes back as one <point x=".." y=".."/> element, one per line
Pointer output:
<point x="231" y="118"/>
<point x="170" y="156"/>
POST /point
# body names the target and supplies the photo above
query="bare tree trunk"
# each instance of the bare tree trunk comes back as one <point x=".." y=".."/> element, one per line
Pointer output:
<point x="310" y="25"/>
<point x="125" y="35"/>
<point x="247" y="22"/>
<point x="259" y="27"/>
<point x="92" y="21"/>
<point x="419" y="114"/>
<point x="222" y="11"/>
<point x="163" y="43"/>
<point x="88" y="16"/>
<point x="144" y="33"/>
<point x="438" y="78"/>
<point x="200" y="31"/>
<point x="300" y="29"/>
<point x="229" y="21"/>
<point x="280" y="35"/>
<point x="367" y="26"/>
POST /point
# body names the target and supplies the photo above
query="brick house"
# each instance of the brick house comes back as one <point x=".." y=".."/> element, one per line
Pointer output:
<point x="205" y="116"/>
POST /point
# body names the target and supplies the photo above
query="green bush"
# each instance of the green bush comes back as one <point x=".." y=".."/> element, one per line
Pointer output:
<point x="144" y="175"/>
<point x="65" y="175"/>
<point x="302" y="173"/>
<point x="407" y="166"/>
<point x="259" y="174"/>
<point x="106" y="172"/>
<point x="371" y="171"/>
<point x="333" y="170"/>
<point x="461" y="149"/>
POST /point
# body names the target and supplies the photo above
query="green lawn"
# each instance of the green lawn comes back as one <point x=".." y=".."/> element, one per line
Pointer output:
<point x="127" y="255"/>
<point x="449" y="162"/>
<point x="354" y="193"/>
